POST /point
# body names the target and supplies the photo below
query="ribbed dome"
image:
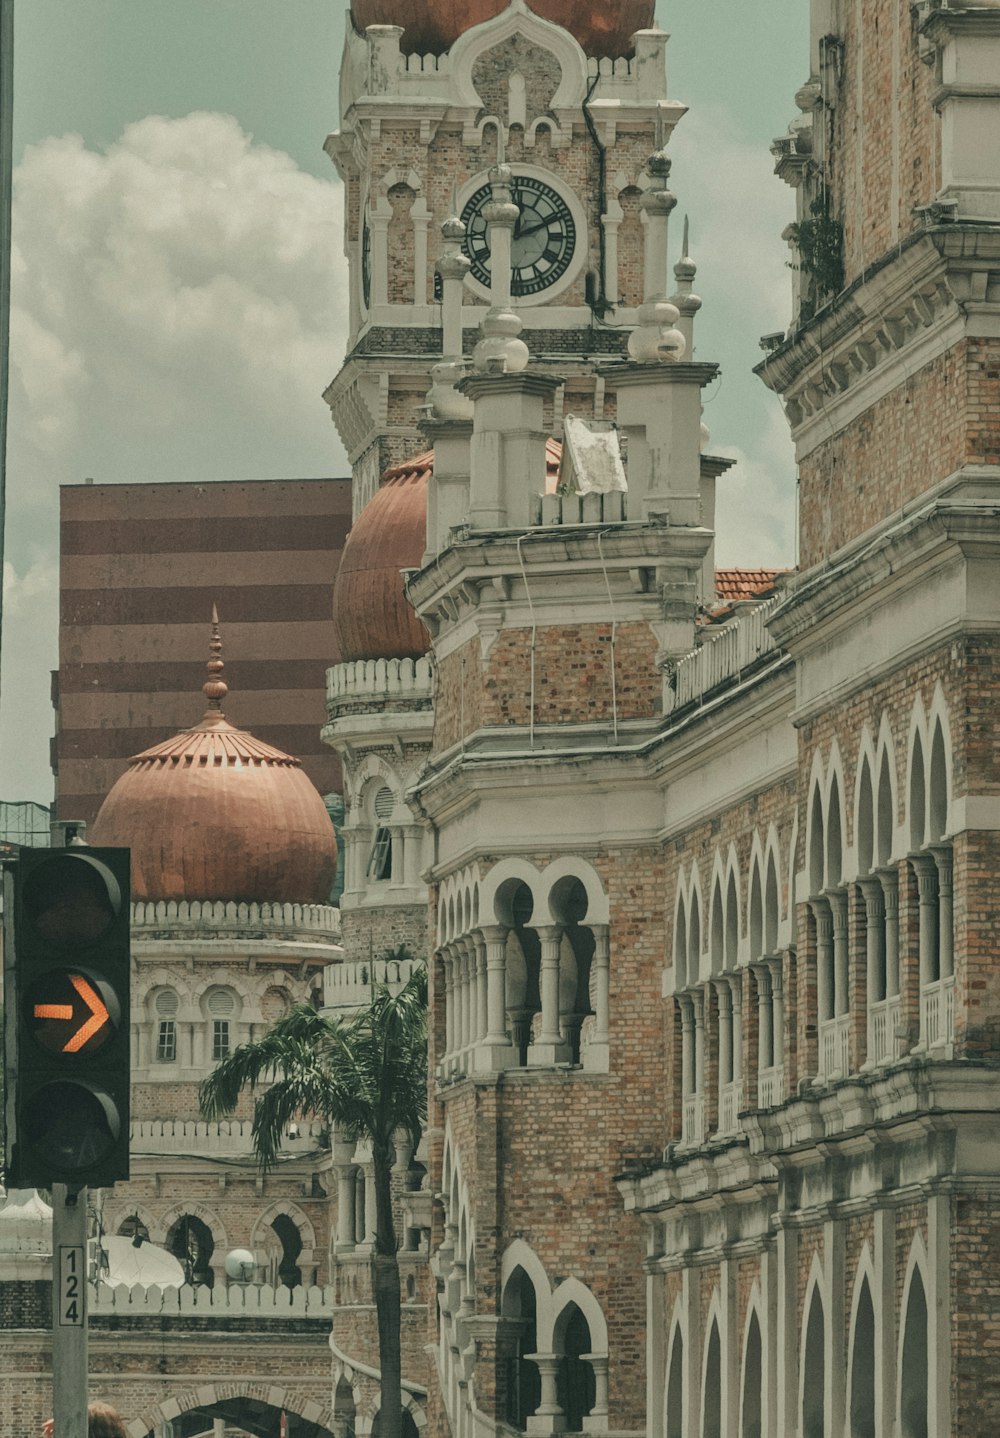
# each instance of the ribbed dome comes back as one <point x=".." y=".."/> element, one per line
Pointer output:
<point x="214" y="813"/>
<point x="372" y="618"/>
<point x="433" y="26"/>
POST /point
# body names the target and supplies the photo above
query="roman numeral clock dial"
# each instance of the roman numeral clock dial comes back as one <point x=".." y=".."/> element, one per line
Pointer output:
<point x="543" y="242"/>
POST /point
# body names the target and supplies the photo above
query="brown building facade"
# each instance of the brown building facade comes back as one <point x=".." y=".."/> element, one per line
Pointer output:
<point x="141" y="566"/>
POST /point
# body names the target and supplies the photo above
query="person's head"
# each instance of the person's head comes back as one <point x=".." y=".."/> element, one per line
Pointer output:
<point x="104" y="1422"/>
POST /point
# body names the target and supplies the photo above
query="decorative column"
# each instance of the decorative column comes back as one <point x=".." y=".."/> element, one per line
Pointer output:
<point x="927" y="889"/>
<point x="736" y="999"/>
<point x="508" y="436"/>
<point x="496" y="1051"/>
<point x="889" y="879"/>
<point x="596" y="1420"/>
<point x="725" y="998"/>
<point x="777" y="1012"/>
<point x="548" y="1417"/>
<point x="946" y="956"/>
<point x="595" y="1055"/>
<point x="482" y="996"/>
<point x="449" y="413"/>
<point x="345" y="1208"/>
<point x="449" y="1003"/>
<point x="841" y="994"/>
<point x="549" y="1047"/>
<point x="765" y="1031"/>
<point x="824" y="959"/>
<point x="687" y="1046"/>
<point x="875" y="964"/>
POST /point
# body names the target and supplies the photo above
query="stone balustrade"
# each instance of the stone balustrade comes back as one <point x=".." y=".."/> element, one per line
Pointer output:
<point x="722" y="658"/>
<point x="235" y="1301"/>
<point x="210" y="918"/>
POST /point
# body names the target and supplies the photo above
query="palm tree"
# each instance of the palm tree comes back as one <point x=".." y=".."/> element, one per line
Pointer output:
<point x="368" y="1076"/>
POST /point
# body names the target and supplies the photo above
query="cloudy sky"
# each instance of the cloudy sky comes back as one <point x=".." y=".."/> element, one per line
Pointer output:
<point x="178" y="281"/>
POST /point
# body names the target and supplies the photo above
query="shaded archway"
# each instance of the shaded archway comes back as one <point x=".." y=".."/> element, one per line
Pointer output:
<point x="575" y="1387"/>
<point x="914" y="1366"/>
<point x="523" y="1382"/>
<point x="711" y="1424"/>
<point x="675" y="1387"/>
<point x="814" y="1372"/>
<point x="751" y="1407"/>
<point x="863" y="1367"/>
<point x="287" y="1269"/>
<point x="190" y="1241"/>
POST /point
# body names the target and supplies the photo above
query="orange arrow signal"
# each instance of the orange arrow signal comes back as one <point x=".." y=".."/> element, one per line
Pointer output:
<point x="93" y="1024"/>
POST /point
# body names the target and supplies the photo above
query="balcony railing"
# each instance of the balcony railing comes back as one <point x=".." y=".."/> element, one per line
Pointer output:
<point x="770" y="1086"/>
<point x="730" y="1103"/>
<point x="694" y="1118"/>
<point x="937" y="1012"/>
<point x="883" y="1020"/>
<point x="834" y="1047"/>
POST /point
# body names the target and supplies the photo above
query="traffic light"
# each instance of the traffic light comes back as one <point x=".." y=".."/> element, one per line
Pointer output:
<point x="67" y="973"/>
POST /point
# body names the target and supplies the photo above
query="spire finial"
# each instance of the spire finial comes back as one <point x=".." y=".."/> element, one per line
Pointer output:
<point x="214" y="689"/>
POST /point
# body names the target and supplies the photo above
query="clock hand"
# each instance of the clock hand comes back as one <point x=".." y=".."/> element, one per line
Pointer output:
<point x="532" y="229"/>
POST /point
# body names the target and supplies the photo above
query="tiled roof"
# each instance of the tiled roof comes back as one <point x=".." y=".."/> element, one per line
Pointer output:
<point x="736" y="584"/>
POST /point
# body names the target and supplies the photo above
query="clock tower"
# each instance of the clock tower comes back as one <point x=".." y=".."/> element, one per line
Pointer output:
<point x="573" y="103"/>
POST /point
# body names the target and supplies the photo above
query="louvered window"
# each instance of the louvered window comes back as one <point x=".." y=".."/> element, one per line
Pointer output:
<point x="380" y="860"/>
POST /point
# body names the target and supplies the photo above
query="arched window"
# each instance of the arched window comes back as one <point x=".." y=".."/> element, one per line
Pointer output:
<point x="814" y="1372"/>
<point x="287" y="1269"/>
<point x="220" y="1006"/>
<point x="914" y="1363"/>
<point x="165" y="1006"/>
<point x="523" y="1386"/>
<point x="752" y="1405"/>
<point x="718" y="930"/>
<point x="191" y="1242"/>
<point x="380" y="858"/>
<point x="711" y="1426"/>
<point x="675" y="1387"/>
<point x="523" y="964"/>
<point x="863" y="1367"/>
<point x="575" y="1386"/>
<point x="939" y="787"/>
<point x="680" y="948"/>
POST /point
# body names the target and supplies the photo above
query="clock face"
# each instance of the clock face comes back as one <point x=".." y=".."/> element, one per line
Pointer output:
<point x="544" y="237"/>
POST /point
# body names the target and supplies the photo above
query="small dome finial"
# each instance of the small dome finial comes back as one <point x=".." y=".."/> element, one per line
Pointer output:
<point x="214" y="689"/>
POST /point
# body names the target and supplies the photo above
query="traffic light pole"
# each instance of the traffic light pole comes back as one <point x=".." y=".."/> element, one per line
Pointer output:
<point x="69" y="1311"/>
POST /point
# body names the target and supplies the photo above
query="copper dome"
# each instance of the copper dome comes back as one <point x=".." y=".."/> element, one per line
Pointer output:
<point x="433" y="26"/>
<point x="372" y="618"/>
<point x="214" y="813"/>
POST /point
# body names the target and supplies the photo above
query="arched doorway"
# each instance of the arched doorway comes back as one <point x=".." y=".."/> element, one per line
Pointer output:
<point x="814" y="1372"/>
<point x="675" y="1391"/>
<point x="750" y="1426"/>
<point x="524" y="1384"/>
<point x="575" y="1387"/>
<point x="863" y="1367"/>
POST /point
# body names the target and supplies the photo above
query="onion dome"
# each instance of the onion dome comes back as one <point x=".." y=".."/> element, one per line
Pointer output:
<point x="372" y="617"/>
<point x="433" y="26"/>
<point x="214" y="813"/>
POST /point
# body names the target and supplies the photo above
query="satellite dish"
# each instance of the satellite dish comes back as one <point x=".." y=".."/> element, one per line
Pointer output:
<point x="240" y="1264"/>
<point x="128" y="1265"/>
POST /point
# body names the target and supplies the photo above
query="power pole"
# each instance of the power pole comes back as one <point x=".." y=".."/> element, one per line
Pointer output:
<point x="69" y="1311"/>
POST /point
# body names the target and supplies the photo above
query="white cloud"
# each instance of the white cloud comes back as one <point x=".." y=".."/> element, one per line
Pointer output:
<point x="178" y="305"/>
<point x="185" y="275"/>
